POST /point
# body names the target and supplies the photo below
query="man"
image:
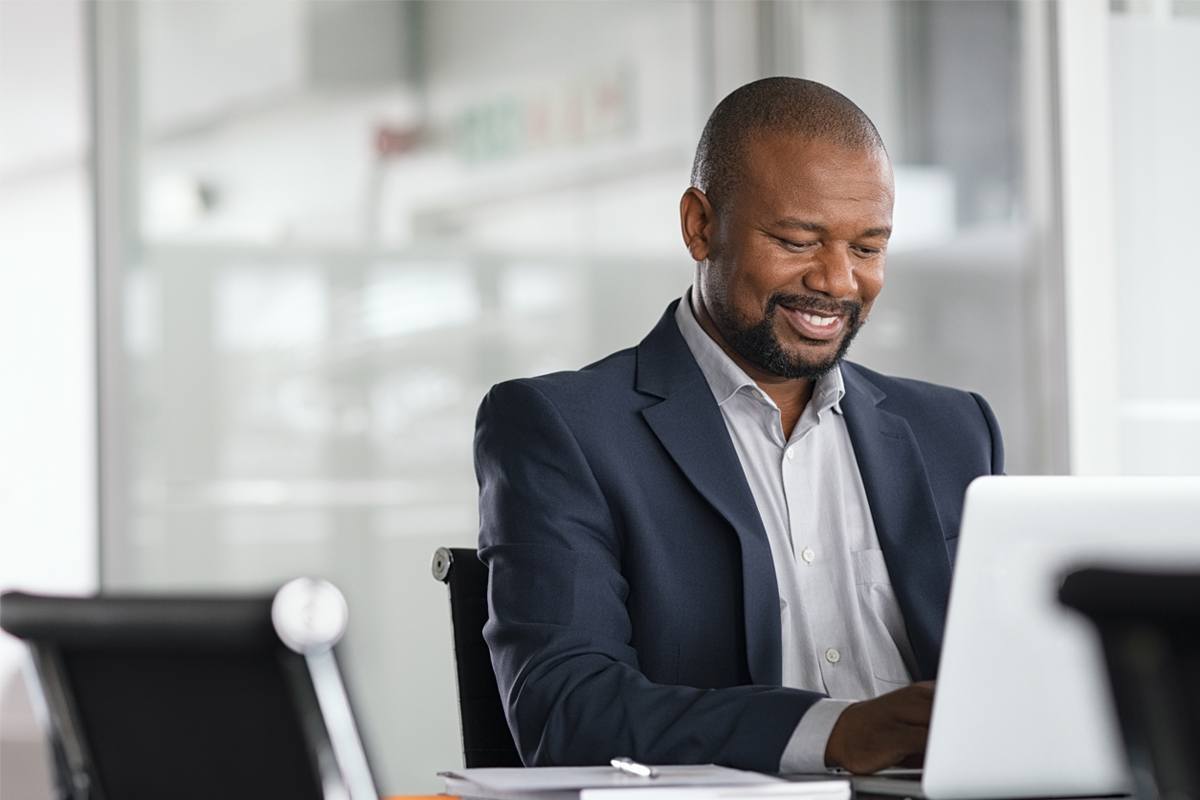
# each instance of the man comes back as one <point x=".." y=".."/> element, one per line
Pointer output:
<point x="726" y="544"/>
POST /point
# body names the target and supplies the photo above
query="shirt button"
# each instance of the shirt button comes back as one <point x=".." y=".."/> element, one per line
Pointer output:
<point x="791" y="454"/>
<point x="808" y="555"/>
<point x="832" y="655"/>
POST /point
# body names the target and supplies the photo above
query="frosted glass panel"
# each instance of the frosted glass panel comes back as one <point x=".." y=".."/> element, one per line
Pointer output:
<point x="1156" y="124"/>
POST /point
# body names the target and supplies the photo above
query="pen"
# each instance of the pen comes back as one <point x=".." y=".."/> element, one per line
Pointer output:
<point x="631" y="767"/>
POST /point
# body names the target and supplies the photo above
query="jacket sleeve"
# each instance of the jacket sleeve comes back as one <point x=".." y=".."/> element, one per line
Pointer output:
<point x="558" y="628"/>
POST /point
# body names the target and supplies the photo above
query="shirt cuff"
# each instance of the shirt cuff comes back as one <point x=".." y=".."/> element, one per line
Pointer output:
<point x="805" y="751"/>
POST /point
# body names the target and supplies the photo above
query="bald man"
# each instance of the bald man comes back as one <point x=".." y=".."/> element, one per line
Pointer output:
<point x="728" y="544"/>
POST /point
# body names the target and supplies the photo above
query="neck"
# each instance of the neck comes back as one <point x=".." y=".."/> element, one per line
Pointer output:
<point x="791" y="395"/>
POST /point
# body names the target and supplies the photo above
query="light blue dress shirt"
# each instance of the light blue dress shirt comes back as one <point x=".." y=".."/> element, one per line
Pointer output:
<point x="842" y="632"/>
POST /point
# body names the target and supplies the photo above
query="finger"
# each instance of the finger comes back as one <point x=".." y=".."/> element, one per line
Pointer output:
<point x="914" y="715"/>
<point x="922" y="689"/>
<point x="914" y="710"/>
<point x="913" y="739"/>
<point x="904" y="743"/>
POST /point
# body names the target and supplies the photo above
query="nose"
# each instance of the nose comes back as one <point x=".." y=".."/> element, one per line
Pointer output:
<point x="833" y="273"/>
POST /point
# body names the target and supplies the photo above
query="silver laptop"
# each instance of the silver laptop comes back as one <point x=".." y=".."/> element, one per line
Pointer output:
<point x="1022" y="706"/>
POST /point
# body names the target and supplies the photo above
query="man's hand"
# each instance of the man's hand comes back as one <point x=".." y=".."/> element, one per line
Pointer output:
<point x="884" y="732"/>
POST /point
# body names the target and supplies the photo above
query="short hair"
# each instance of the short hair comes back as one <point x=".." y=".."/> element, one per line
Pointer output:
<point x="794" y="106"/>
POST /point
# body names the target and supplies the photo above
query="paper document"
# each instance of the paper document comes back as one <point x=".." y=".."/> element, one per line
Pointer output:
<point x="673" y="782"/>
<point x="812" y="790"/>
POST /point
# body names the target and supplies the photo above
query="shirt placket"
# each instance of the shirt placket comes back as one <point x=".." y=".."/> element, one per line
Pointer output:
<point x="812" y="563"/>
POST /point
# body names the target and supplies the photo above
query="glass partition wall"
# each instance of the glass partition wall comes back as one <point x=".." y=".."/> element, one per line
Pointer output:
<point x="1155" y="118"/>
<point x="328" y="228"/>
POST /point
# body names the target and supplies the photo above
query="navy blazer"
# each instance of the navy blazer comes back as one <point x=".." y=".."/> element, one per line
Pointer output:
<point x="633" y="609"/>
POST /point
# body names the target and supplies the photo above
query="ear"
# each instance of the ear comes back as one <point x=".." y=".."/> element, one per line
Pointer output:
<point x="696" y="221"/>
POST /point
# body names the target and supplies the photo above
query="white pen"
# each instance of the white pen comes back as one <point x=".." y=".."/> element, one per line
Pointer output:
<point x="631" y="767"/>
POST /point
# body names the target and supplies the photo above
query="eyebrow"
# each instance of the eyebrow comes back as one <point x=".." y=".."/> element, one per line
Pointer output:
<point x="816" y="227"/>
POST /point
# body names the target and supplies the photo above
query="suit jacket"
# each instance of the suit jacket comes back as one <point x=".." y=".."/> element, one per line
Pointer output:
<point x="633" y="607"/>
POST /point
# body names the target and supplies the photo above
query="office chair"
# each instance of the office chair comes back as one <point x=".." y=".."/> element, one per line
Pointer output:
<point x="487" y="741"/>
<point x="1149" y="625"/>
<point x="194" y="697"/>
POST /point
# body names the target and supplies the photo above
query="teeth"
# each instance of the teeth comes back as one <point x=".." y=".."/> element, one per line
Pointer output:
<point x="819" y="321"/>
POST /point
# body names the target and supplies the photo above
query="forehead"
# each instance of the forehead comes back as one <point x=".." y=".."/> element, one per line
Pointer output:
<point x="792" y="176"/>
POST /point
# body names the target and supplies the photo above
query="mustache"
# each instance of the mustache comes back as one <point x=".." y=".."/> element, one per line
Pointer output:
<point x="817" y="305"/>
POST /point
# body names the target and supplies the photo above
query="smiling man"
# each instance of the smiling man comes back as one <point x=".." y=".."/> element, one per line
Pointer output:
<point x="727" y="544"/>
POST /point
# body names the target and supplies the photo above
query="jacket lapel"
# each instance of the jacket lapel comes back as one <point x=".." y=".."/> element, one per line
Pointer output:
<point x="690" y="427"/>
<point x="906" y="519"/>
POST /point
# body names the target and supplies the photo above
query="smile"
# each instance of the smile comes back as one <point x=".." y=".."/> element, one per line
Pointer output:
<point x="820" y="327"/>
<point x="819" y="321"/>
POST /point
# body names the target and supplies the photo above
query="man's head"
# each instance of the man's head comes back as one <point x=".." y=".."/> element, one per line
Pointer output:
<point x="788" y="218"/>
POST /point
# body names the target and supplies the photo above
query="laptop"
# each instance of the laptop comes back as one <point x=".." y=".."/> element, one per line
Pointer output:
<point x="1023" y="706"/>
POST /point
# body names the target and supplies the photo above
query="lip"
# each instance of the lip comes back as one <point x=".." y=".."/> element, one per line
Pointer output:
<point x="810" y="331"/>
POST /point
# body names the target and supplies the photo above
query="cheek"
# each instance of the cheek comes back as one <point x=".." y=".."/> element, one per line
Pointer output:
<point x="869" y="287"/>
<point x="870" y="283"/>
<point x="761" y="271"/>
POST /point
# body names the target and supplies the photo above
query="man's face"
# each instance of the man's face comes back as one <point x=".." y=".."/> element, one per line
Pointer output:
<point x="795" y="255"/>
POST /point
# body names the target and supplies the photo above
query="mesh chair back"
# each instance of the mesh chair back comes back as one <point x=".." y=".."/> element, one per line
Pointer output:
<point x="152" y="697"/>
<point x="1149" y="625"/>
<point x="487" y="741"/>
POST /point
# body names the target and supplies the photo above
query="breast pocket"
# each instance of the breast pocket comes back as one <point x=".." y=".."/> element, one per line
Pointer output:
<point x="882" y="620"/>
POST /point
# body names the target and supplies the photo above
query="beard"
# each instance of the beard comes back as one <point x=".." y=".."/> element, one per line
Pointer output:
<point x="758" y="344"/>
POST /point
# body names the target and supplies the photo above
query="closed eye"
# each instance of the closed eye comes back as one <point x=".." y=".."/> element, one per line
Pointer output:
<point x="794" y="246"/>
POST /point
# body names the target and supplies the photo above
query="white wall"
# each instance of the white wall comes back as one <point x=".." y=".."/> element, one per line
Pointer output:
<point x="47" y="388"/>
<point x="1089" y="269"/>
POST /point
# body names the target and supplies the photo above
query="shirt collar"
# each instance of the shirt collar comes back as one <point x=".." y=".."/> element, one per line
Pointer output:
<point x="725" y="378"/>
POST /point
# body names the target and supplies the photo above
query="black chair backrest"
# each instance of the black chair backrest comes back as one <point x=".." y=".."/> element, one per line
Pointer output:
<point x="184" y="697"/>
<point x="487" y="741"/>
<point x="1149" y="625"/>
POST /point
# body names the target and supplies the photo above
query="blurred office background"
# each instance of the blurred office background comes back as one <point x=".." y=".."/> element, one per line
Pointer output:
<point x="259" y="261"/>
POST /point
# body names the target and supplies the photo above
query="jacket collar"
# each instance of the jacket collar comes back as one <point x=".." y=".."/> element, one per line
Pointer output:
<point x="690" y="427"/>
<point x="904" y="511"/>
